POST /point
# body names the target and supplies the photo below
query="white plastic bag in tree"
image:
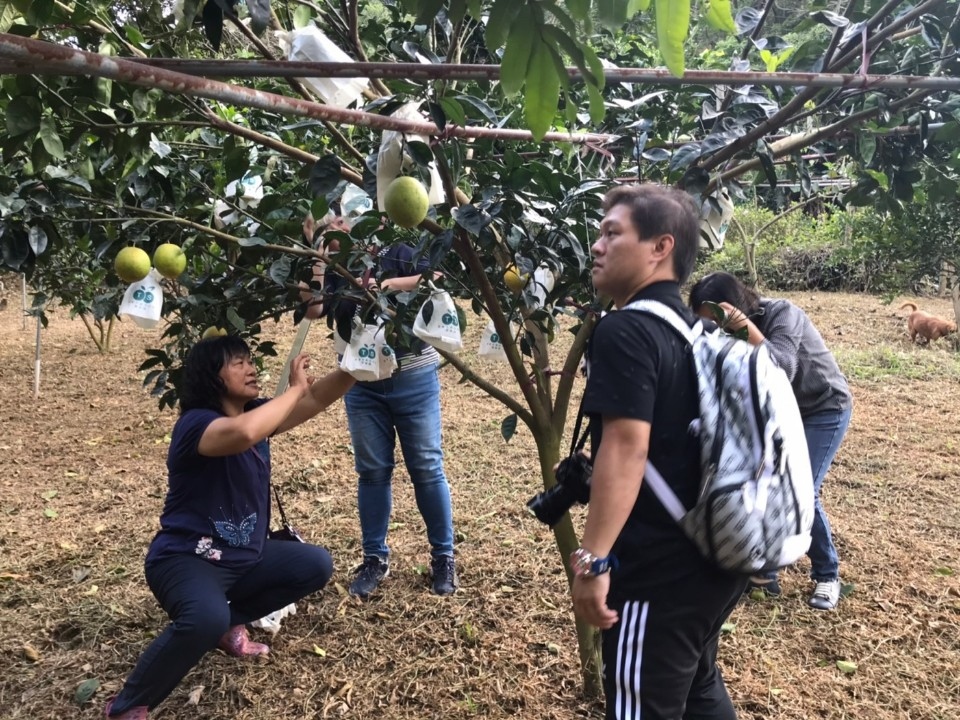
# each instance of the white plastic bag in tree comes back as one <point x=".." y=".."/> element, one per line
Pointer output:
<point x="437" y="322"/>
<point x="309" y="44"/>
<point x="542" y="285"/>
<point x="491" y="346"/>
<point x="390" y="160"/>
<point x="143" y="301"/>
<point x="713" y="221"/>
<point x="250" y="195"/>
<point x="367" y="356"/>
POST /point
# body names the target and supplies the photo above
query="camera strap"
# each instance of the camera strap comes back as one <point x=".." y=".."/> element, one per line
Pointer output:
<point x="283" y="515"/>
<point x="579" y="440"/>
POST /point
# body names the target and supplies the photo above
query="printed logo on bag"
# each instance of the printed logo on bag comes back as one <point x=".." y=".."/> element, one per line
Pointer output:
<point x="368" y="354"/>
<point x="450" y="319"/>
<point x="494" y="339"/>
<point x="143" y="295"/>
<point x="387" y="351"/>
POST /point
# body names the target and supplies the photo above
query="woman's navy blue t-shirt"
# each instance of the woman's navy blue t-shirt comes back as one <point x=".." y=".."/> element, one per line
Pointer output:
<point x="217" y="508"/>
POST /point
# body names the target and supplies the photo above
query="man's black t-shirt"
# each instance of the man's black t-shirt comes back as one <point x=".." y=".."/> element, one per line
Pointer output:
<point x="640" y="368"/>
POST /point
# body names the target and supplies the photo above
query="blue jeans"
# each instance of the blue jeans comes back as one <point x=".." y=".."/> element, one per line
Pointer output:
<point x="405" y="406"/>
<point x="825" y="431"/>
<point x="204" y="600"/>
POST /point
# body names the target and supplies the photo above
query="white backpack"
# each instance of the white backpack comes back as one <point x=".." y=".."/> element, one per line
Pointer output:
<point x="755" y="508"/>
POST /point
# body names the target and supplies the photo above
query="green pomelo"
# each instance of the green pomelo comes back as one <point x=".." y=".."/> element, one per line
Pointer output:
<point x="132" y="264"/>
<point x="406" y="202"/>
<point x="170" y="261"/>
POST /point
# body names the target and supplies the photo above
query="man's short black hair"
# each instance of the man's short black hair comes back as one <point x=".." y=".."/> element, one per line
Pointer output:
<point x="660" y="210"/>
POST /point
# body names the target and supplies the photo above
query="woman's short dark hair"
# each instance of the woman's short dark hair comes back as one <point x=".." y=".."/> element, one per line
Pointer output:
<point x="660" y="210"/>
<point x="721" y="287"/>
<point x="202" y="387"/>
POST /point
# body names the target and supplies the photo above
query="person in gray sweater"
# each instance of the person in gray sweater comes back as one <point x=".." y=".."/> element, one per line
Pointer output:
<point x="822" y="393"/>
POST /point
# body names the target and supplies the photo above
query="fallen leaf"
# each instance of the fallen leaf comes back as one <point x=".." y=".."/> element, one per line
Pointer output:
<point x="92" y="591"/>
<point x="85" y="691"/>
<point x="50" y="513"/>
<point x="728" y="627"/>
<point x="99" y="528"/>
<point x="943" y="572"/>
<point x="49" y="495"/>
<point x="194" y="697"/>
<point x="845" y="666"/>
<point x="317" y="650"/>
<point x="80" y="574"/>
<point x="31" y="653"/>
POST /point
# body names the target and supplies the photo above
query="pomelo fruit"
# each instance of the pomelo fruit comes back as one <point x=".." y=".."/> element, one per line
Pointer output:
<point x="170" y="261"/>
<point x="132" y="264"/>
<point x="406" y="201"/>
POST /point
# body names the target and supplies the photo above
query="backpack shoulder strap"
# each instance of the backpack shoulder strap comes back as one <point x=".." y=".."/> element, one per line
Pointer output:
<point x="664" y="493"/>
<point x="668" y="315"/>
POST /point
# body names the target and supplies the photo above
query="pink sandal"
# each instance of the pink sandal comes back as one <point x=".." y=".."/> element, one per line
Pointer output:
<point x="134" y="713"/>
<point x="237" y="643"/>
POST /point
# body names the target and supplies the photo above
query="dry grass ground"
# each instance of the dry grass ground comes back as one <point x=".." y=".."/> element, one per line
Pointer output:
<point x="82" y="483"/>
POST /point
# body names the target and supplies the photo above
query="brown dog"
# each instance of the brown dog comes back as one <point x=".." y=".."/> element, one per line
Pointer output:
<point x="928" y="327"/>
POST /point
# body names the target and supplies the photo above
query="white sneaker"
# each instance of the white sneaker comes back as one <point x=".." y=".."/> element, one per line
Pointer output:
<point x="825" y="595"/>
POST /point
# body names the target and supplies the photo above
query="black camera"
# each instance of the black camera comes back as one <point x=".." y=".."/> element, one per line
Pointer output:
<point x="573" y="486"/>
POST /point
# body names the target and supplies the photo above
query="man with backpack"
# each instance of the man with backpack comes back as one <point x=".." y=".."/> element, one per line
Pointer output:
<point x="637" y="575"/>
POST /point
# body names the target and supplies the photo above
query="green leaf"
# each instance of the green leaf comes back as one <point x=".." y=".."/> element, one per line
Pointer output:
<point x="562" y="16"/>
<point x="508" y="426"/>
<point x="51" y="141"/>
<point x="943" y="572"/>
<point x="301" y="17"/>
<point x="454" y="111"/>
<point x="867" y="145"/>
<point x="881" y="178"/>
<point x="325" y="175"/>
<point x="673" y="22"/>
<point x="234" y="319"/>
<point x="23" y="115"/>
<point x="420" y="152"/>
<point x="845" y="666"/>
<point x="612" y="14"/>
<point x="86" y="690"/>
<point x="458" y="8"/>
<point x="580" y="9"/>
<point x="543" y="90"/>
<point x="518" y="52"/>
<point x="597" y="107"/>
<point x="502" y="15"/>
<point x="50" y="513"/>
<point x="719" y="15"/>
<point x="191" y="8"/>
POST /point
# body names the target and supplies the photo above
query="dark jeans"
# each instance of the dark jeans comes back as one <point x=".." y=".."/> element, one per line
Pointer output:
<point x="825" y="432"/>
<point x="204" y="600"/>
<point x="660" y="659"/>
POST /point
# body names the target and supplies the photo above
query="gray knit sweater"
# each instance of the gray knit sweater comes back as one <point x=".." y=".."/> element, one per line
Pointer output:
<point x="798" y="348"/>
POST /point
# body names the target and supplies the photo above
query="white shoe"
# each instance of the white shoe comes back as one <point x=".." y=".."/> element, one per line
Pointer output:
<point x="825" y="595"/>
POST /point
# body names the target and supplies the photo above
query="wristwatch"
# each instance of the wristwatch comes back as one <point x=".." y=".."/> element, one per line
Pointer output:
<point x="585" y="564"/>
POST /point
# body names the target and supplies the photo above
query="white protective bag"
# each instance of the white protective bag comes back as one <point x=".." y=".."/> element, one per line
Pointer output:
<point x="390" y="159"/>
<point x="491" y="346"/>
<point x="437" y="322"/>
<point x="309" y="44"/>
<point x="143" y="301"/>
<point x="367" y="356"/>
